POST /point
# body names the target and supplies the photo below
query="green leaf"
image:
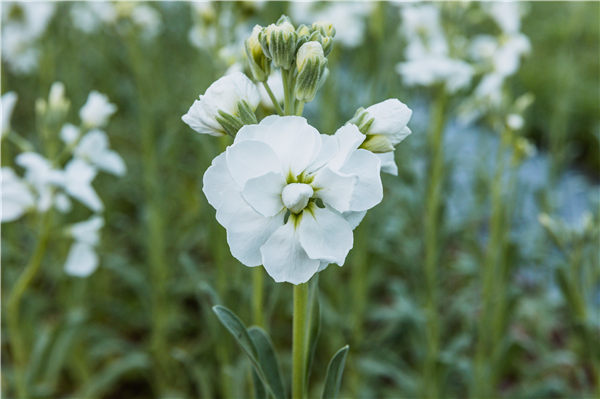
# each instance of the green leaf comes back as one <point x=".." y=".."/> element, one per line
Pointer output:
<point x="335" y="370"/>
<point x="268" y="361"/>
<point x="259" y="388"/>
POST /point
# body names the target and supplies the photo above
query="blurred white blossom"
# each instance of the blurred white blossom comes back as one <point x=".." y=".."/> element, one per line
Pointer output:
<point x="90" y="16"/>
<point x="93" y="148"/>
<point x="283" y="168"/>
<point x="77" y="182"/>
<point x="17" y="198"/>
<point x="82" y="259"/>
<point x="7" y="103"/>
<point x="96" y="110"/>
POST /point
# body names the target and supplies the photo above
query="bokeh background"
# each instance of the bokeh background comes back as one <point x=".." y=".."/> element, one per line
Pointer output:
<point x="141" y="325"/>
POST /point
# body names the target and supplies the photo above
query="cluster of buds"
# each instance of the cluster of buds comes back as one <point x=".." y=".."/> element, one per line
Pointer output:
<point x="301" y="51"/>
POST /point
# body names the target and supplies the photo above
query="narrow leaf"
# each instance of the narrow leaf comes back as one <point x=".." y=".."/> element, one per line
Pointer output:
<point x="268" y="361"/>
<point x="259" y="388"/>
<point x="335" y="370"/>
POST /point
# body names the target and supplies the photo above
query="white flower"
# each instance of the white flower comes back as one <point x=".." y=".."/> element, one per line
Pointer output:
<point x="40" y="175"/>
<point x="77" y="182"/>
<point x="390" y="118"/>
<point x="93" y="148"/>
<point x="82" y="259"/>
<point x="276" y="84"/>
<point x="223" y="95"/>
<point x="96" y="110"/>
<point x="424" y="33"/>
<point x="69" y="133"/>
<point x="89" y="16"/>
<point x="283" y="168"/>
<point x="17" y="198"/>
<point x="454" y="74"/>
<point x="8" y="102"/>
<point x="148" y="19"/>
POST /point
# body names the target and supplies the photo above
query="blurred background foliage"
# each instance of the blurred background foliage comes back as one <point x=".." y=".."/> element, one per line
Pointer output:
<point x="141" y="325"/>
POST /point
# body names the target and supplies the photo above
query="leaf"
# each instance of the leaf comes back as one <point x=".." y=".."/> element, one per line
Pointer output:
<point x="335" y="370"/>
<point x="268" y="361"/>
<point x="259" y="387"/>
<point x="235" y="326"/>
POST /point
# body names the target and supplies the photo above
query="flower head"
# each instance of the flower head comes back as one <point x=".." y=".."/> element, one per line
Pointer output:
<point x="93" y="148"/>
<point x="223" y="96"/>
<point x="82" y="259"/>
<point x="290" y="197"/>
<point x="96" y="110"/>
<point x="16" y="196"/>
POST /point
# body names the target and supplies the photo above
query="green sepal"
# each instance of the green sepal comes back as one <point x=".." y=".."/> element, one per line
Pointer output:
<point x="377" y="143"/>
<point x="335" y="370"/>
<point x="246" y="113"/>
<point x="230" y="123"/>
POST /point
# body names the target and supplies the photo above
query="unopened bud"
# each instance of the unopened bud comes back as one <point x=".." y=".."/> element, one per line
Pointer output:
<point x="259" y="63"/>
<point x="377" y="143"/>
<point x="56" y="99"/>
<point x="326" y="29"/>
<point x="279" y="43"/>
<point x="311" y="63"/>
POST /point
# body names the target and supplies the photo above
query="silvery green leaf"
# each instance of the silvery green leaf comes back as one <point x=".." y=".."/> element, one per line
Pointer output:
<point x="335" y="370"/>
<point x="268" y="361"/>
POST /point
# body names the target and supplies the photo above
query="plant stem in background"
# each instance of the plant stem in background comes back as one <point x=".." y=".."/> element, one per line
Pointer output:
<point x="257" y="296"/>
<point x="493" y="283"/>
<point x="14" y="300"/>
<point x="299" y="340"/>
<point x="273" y="98"/>
<point x="359" y="283"/>
<point x="430" y="387"/>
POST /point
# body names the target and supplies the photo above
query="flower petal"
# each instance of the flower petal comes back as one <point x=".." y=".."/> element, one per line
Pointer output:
<point x="295" y="142"/>
<point x="354" y="218"/>
<point x="368" y="192"/>
<point x="248" y="231"/>
<point x="388" y="163"/>
<point x="348" y="139"/>
<point x="263" y="193"/>
<point x="82" y="260"/>
<point x="325" y="235"/>
<point x="284" y="258"/>
<point x="250" y="159"/>
<point x="334" y="188"/>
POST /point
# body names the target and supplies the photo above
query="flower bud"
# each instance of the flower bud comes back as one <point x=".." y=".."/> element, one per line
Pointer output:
<point x="57" y="101"/>
<point x="326" y="29"/>
<point x="310" y="62"/>
<point x="279" y="43"/>
<point x="259" y="64"/>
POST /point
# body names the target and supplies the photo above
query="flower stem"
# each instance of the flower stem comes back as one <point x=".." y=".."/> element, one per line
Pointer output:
<point x="432" y="211"/>
<point x="14" y="301"/>
<point x="300" y="108"/>
<point x="299" y="340"/>
<point x="257" y="296"/>
<point x="272" y="97"/>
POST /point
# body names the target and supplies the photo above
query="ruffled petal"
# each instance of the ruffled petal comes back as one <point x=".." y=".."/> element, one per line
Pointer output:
<point x="284" y="257"/>
<point x="368" y="192"/>
<point x="250" y="159"/>
<point x="325" y="235"/>
<point x="335" y="189"/>
<point x="388" y="163"/>
<point x="263" y="193"/>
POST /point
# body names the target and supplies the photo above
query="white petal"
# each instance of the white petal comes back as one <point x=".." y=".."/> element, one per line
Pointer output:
<point x="335" y="189"/>
<point x="7" y="103"/>
<point x="349" y="138"/>
<point x="218" y="184"/>
<point x="325" y="235"/>
<point x="87" y="231"/>
<point x="293" y="140"/>
<point x="62" y="203"/>
<point x="263" y="193"/>
<point x="16" y="196"/>
<point x="202" y="118"/>
<point x="354" y="218"/>
<point x="111" y="162"/>
<point x="284" y="258"/>
<point x="389" y="117"/>
<point x="96" y="110"/>
<point x="248" y="231"/>
<point x="82" y="260"/>
<point x="78" y="179"/>
<point x="368" y="191"/>
<point x="249" y="159"/>
<point x="69" y="133"/>
<point x="388" y="163"/>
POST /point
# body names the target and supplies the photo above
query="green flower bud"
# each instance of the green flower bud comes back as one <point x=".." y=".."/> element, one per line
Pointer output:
<point x="260" y="65"/>
<point x="310" y="62"/>
<point x="326" y="29"/>
<point x="279" y="43"/>
<point x="377" y="143"/>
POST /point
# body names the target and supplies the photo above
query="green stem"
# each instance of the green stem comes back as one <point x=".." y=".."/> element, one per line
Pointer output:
<point x="300" y="108"/>
<point x="432" y="211"/>
<point x="273" y="98"/>
<point x="299" y="340"/>
<point x="257" y="296"/>
<point x="14" y="301"/>
<point x="493" y="284"/>
<point x="286" y="92"/>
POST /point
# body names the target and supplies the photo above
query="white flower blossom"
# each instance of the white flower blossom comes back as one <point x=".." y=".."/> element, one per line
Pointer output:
<point x="69" y="133"/>
<point x="8" y="102"/>
<point x="77" y="182"/>
<point x="17" y="198"/>
<point x="390" y="119"/>
<point x="283" y="168"/>
<point x="96" y="110"/>
<point x="223" y="95"/>
<point x="93" y="148"/>
<point x="82" y="259"/>
<point x="454" y="74"/>
<point x="90" y="16"/>
<point x="42" y="177"/>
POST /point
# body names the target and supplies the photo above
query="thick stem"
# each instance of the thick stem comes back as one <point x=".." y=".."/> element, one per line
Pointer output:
<point x="273" y="98"/>
<point x="14" y="301"/>
<point x="257" y="296"/>
<point x="300" y="108"/>
<point x="299" y="340"/>
<point x="432" y="211"/>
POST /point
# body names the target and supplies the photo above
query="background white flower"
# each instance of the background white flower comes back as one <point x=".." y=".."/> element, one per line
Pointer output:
<point x="7" y="102"/>
<point x="17" y="198"/>
<point x="42" y="177"/>
<point x="283" y="168"/>
<point x="77" y="182"/>
<point x="82" y="259"/>
<point x="223" y="95"/>
<point x="93" y="148"/>
<point x="96" y="110"/>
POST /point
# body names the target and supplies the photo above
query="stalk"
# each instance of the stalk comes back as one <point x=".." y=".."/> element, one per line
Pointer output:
<point x="272" y="97"/>
<point x="299" y="337"/>
<point x="493" y="280"/>
<point x="430" y="387"/>
<point x="257" y="296"/>
<point x="14" y="302"/>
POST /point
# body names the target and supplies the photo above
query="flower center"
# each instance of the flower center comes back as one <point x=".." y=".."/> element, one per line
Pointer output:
<point x="295" y="196"/>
